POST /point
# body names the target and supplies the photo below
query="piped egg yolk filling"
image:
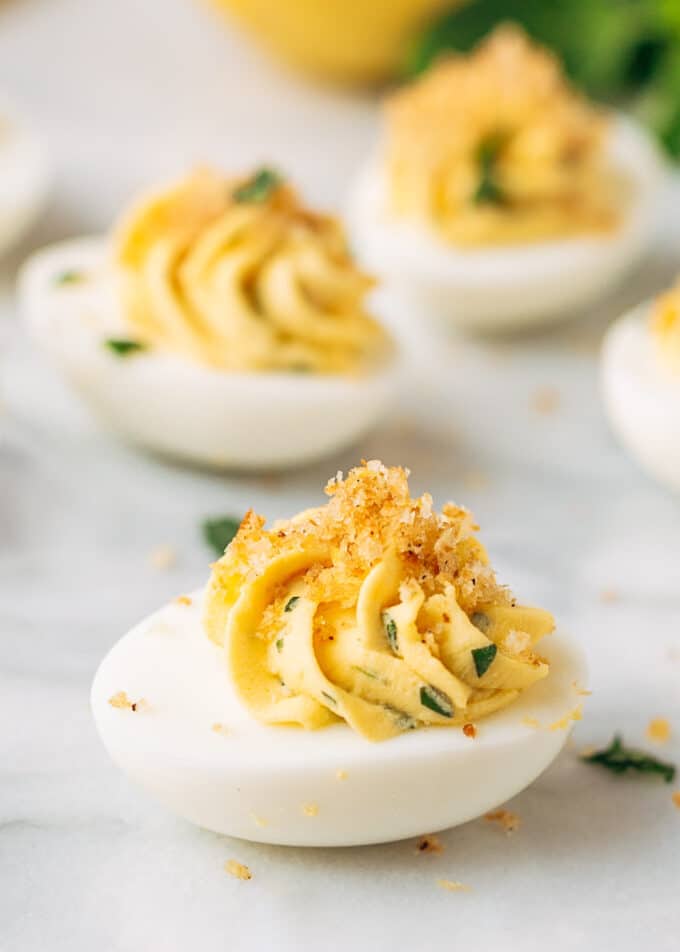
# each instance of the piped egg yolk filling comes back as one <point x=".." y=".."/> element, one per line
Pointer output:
<point x="665" y="326"/>
<point x="496" y="147"/>
<point x="239" y="275"/>
<point x="374" y="610"/>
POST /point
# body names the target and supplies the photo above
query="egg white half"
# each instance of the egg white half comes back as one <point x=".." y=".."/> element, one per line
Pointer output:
<point x="178" y="407"/>
<point x="513" y="286"/>
<point x="24" y="175"/>
<point x="328" y="787"/>
<point x="642" y="396"/>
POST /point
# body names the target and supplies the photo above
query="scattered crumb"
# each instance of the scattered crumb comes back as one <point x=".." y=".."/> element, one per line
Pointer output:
<point x="582" y="692"/>
<point x="531" y="722"/>
<point x="659" y="730"/>
<point x="509" y="822"/>
<point x="429" y="844"/>
<point x="218" y="728"/>
<point x="609" y="595"/>
<point x="546" y="400"/>
<point x="237" y="870"/>
<point x="564" y="722"/>
<point x="469" y="730"/>
<point x="311" y="809"/>
<point x="183" y="600"/>
<point x="122" y="701"/>
<point x="341" y="774"/>
<point x="475" y="479"/>
<point x="162" y="557"/>
<point x="259" y="820"/>
<point x="452" y="886"/>
<point x="676" y="799"/>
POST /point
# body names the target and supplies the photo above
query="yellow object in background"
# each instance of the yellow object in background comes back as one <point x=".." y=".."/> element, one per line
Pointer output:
<point x="354" y="41"/>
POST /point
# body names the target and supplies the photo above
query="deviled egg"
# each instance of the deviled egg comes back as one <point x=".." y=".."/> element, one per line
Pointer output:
<point x="355" y="674"/>
<point x="224" y="322"/>
<point x="500" y="197"/>
<point x="641" y="384"/>
<point x="24" y="175"/>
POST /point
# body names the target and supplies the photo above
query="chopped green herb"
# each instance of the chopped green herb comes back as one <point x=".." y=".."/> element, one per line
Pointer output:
<point x="258" y="187"/>
<point x="123" y="348"/>
<point x="279" y="645"/>
<point x="291" y="603"/>
<point x="488" y="189"/>
<point x="69" y="277"/>
<point x="481" y="621"/>
<point x="434" y="699"/>
<point x="620" y="759"/>
<point x="402" y="720"/>
<point x="218" y="533"/>
<point x="483" y="657"/>
<point x="329" y="698"/>
<point x="390" y="626"/>
<point x="365" y="672"/>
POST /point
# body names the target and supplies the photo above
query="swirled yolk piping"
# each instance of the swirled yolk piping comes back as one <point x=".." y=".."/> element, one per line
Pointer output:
<point x="239" y="275"/>
<point x="496" y="147"/>
<point x="374" y="610"/>
<point x="665" y="326"/>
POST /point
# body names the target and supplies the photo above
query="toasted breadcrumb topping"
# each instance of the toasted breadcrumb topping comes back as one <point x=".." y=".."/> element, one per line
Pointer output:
<point x="310" y="809"/>
<point x="237" y="870"/>
<point x="452" y="885"/>
<point x="470" y="730"/>
<point x="429" y="844"/>
<point x="564" y="722"/>
<point x="163" y="557"/>
<point x="123" y="702"/>
<point x="183" y="600"/>
<point x="509" y="822"/>
<point x="369" y="512"/>
<point x="676" y="798"/>
<point x="659" y="730"/>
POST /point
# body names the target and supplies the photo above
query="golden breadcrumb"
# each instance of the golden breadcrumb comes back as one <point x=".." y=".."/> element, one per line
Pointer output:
<point x="564" y="722"/>
<point x="509" y="822"/>
<point x="122" y="701"/>
<point x="183" y="600"/>
<point x="451" y="885"/>
<point x="531" y="722"/>
<point x="659" y="730"/>
<point x="341" y="774"/>
<point x="219" y="728"/>
<point x="582" y="692"/>
<point x="237" y="870"/>
<point x="310" y="809"/>
<point x="429" y="844"/>
<point x="259" y="820"/>
<point x="163" y="557"/>
<point x="545" y="401"/>
<point x="676" y="798"/>
<point x="470" y="730"/>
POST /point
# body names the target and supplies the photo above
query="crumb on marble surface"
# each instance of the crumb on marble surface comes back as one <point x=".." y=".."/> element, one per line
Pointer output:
<point x="429" y="844"/>
<point x="163" y="557"/>
<point x="237" y="870"/>
<point x="452" y="885"/>
<point x="545" y="400"/>
<point x="659" y="730"/>
<point x="508" y="821"/>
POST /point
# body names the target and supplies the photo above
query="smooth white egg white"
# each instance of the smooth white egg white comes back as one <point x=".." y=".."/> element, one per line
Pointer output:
<point x="328" y="787"/>
<point x="178" y="407"/>
<point x="24" y="175"/>
<point x="513" y="286"/>
<point x="642" y="396"/>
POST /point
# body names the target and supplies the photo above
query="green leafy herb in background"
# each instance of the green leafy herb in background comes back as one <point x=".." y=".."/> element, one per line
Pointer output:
<point x="625" y="52"/>
<point x="259" y="187"/>
<point x="218" y="533"/>
<point x="488" y="189"/>
<point x="124" y="348"/>
<point x="618" y="758"/>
